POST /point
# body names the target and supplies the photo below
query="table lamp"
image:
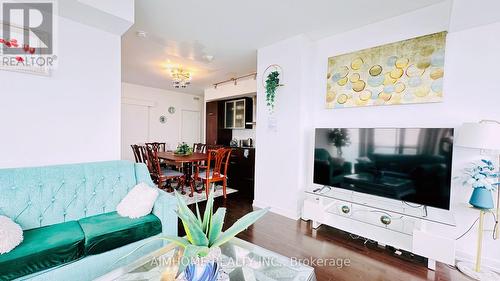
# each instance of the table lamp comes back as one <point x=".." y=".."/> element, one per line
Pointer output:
<point x="484" y="135"/>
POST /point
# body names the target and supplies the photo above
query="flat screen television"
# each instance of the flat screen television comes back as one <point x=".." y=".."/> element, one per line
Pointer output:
<point x="408" y="164"/>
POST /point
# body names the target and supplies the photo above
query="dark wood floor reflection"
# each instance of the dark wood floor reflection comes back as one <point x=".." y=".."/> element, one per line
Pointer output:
<point x="367" y="262"/>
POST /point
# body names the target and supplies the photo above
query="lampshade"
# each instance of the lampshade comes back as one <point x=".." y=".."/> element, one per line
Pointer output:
<point x="484" y="135"/>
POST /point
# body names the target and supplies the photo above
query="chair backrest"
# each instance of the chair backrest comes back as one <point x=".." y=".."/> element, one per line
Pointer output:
<point x="199" y="147"/>
<point x="153" y="161"/>
<point x="139" y="153"/>
<point x="213" y="146"/>
<point x="158" y="146"/>
<point x="216" y="160"/>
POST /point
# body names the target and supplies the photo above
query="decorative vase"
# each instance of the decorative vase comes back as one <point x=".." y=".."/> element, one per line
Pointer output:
<point x="339" y="151"/>
<point x="481" y="198"/>
<point x="338" y="161"/>
<point x="204" y="268"/>
<point x="206" y="271"/>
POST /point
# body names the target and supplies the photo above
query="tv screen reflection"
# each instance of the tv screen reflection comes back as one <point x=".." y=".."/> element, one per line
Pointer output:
<point x="407" y="164"/>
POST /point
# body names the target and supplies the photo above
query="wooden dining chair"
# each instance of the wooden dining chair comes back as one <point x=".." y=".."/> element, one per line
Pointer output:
<point x="200" y="148"/>
<point x="213" y="146"/>
<point x="214" y="171"/>
<point x="163" y="175"/>
<point x="161" y="146"/>
<point x="139" y="153"/>
<point x="158" y="146"/>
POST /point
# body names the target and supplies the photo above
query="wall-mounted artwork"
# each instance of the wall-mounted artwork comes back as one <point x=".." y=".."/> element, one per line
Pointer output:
<point x="405" y="72"/>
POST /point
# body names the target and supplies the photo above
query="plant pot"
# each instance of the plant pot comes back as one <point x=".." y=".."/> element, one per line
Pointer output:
<point x="207" y="271"/>
<point x="204" y="269"/>
<point x="338" y="161"/>
<point x="481" y="198"/>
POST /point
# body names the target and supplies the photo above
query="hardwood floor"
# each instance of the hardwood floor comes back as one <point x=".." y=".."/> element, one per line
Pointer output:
<point x="297" y="239"/>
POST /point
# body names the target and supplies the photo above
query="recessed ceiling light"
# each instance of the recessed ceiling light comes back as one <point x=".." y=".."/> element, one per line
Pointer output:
<point x="141" y="34"/>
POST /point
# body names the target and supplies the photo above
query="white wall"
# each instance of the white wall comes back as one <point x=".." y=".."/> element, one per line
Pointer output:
<point x="465" y="100"/>
<point x="279" y="174"/>
<point x="468" y="52"/>
<point x="73" y="115"/>
<point x="160" y="100"/>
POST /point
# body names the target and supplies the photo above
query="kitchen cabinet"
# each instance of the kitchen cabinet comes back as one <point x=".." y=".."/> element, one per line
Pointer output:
<point x="215" y="132"/>
<point x="241" y="171"/>
<point x="238" y="114"/>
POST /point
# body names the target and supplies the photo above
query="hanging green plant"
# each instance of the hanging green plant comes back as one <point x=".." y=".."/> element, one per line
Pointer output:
<point x="271" y="84"/>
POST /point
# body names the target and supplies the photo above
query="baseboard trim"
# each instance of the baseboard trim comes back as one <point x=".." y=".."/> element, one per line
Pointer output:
<point x="280" y="211"/>
<point x="492" y="264"/>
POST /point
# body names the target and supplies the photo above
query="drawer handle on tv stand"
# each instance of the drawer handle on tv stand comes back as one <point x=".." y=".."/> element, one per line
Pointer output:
<point x="385" y="220"/>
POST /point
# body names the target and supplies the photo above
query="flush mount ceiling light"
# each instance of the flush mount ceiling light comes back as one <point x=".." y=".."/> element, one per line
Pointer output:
<point x="180" y="78"/>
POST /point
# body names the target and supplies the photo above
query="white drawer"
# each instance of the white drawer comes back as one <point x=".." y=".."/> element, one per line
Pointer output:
<point x="393" y="221"/>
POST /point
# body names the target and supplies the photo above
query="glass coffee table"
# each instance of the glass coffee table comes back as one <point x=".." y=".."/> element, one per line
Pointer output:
<point x="240" y="261"/>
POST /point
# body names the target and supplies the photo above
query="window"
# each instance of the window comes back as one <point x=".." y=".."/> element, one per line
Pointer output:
<point x="396" y="141"/>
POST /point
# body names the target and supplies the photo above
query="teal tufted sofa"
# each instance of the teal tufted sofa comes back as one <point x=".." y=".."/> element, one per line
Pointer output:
<point x="43" y="197"/>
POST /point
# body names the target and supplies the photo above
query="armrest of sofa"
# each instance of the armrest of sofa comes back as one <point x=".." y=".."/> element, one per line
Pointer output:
<point x="165" y="205"/>
<point x="142" y="174"/>
<point x="164" y="208"/>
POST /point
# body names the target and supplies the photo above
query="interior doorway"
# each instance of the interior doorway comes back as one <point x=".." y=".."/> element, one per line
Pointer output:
<point x="190" y="126"/>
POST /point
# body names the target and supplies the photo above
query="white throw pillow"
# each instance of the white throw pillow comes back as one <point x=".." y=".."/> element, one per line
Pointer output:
<point x="138" y="202"/>
<point x="11" y="235"/>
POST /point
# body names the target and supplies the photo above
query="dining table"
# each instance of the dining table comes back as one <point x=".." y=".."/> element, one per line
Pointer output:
<point x="186" y="161"/>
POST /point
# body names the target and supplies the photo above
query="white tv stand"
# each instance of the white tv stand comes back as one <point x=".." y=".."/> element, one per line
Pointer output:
<point x="405" y="226"/>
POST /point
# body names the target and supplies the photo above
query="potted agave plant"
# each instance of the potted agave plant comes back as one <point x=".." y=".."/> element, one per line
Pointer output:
<point x="203" y="238"/>
<point x="480" y="176"/>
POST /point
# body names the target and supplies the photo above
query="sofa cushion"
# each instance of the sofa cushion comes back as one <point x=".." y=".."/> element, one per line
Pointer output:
<point x="139" y="201"/>
<point x="11" y="234"/>
<point x="43" y="248"/>
<point x="110" y="230"/>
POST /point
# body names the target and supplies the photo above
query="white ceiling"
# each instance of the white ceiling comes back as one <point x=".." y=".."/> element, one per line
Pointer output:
<point x="184" y="32"/>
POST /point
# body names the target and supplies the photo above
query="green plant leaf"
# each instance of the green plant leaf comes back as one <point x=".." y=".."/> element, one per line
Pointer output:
<point x="181" y="241"/>
<point x="198" y="214"/>
<point x="207" y="216"/>
<point x="195" y="234"/>
<point x="239" y="226"/>
<point x="188" y="220"/>
<point x="272" y="83"/>
<point x="216" y="225"/>
<point x="183" y="207"/>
